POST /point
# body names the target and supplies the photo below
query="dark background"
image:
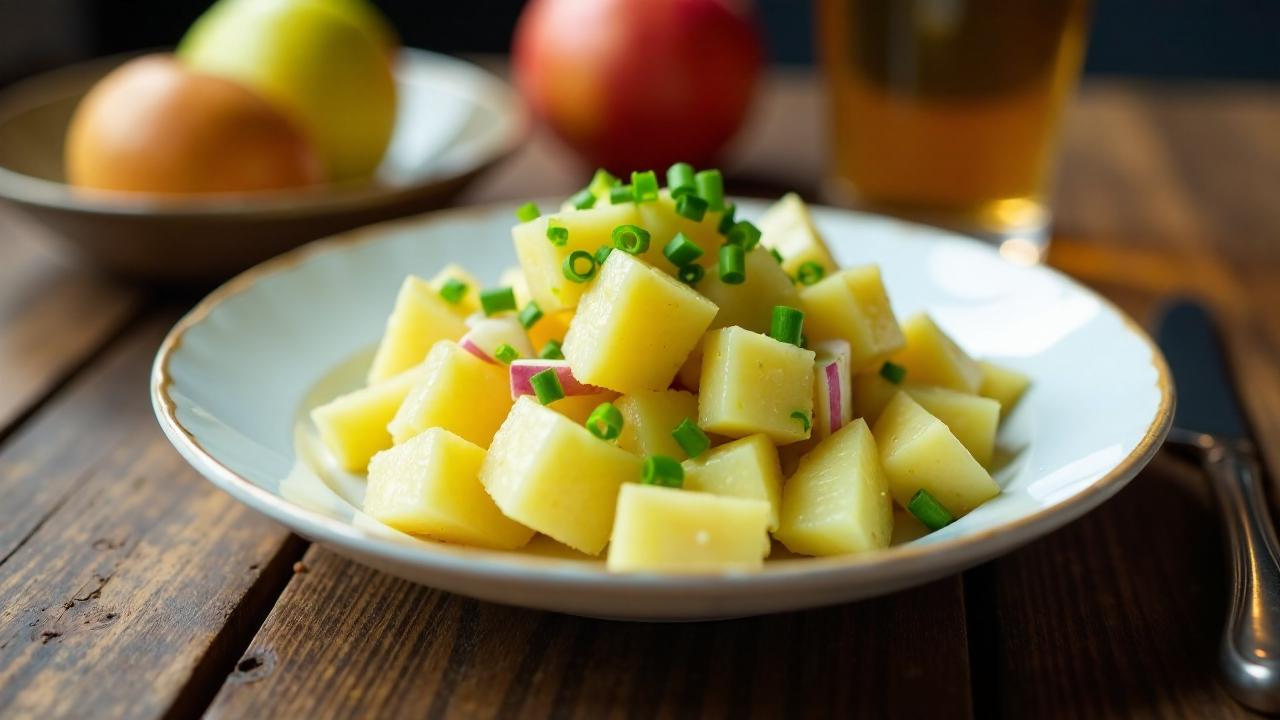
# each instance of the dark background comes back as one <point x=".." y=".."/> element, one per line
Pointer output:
<point x="1161" y="38"/>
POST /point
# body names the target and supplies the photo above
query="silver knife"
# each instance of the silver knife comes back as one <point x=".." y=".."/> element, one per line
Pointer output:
<point x="1209" y="422"/>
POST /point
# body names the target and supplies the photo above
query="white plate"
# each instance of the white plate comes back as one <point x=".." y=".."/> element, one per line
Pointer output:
<point x="234" y="380"/>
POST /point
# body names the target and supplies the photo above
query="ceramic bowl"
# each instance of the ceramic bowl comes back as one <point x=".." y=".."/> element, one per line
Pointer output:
<point x="454" y="121"/>
<point x="235" y="379"/>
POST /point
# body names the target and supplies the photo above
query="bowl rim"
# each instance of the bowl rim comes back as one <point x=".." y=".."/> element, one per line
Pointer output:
<point x="496" y="95"/>
<point x="480" y="563"/>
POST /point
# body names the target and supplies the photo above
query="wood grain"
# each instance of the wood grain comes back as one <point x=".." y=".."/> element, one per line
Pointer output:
<point x="345" y="640"/>
<point x="52" y="318"/>
<point x="129" y="583"/>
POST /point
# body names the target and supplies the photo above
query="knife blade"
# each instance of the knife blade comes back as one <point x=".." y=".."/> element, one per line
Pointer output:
<point x="1208" y="420"/>
<point x="1207" y="399"/>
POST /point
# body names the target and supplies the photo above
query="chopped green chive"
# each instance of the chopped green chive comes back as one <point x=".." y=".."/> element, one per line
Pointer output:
<point x="732" y="265"/>
<point x="681" y="250"/>
<point x="605" y="422"/>
<point x="631" y="239"/>
<point x="505" y="354"/>
<point x="530" y="314"/>
<point x="528" y="211"/>
<point x="803" y="417"/>
<point x="726" y="219"/>
<point x="776" y="255"/>
<point x="557" y="234"/>
<point x="645" y="185"/>
<point x="893" y="372"/>
<point x="497" y="300"/>
<point x="680" y="180"/>
<point x="691" y="438"/>
<point x="583" y="199"/>
<point x="690" y="274"/>
<point x="546" y="386"/>
<point x="786" y="325"/>
<point x="453" y="290"/>
<point x="579" y="267"/>
<point x="809" y="273"/>
<point x="744" y="234"/>
<point x="929" y="511"/>
<point x="619" y="194"/>
<point x="602" y="254"/>
<point x="662" y="470"/>
<point x="692" y="207"/>
<point x="711" y="188"/>
<point x="602" y="182"/>
<point x="551" y="351"/>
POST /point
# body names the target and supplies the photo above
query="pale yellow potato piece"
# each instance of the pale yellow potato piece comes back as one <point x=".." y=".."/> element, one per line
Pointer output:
<point x="430" y="486"/>
<point x="906" y="527"/>
<point x="542" y="262"/>
<point x="470" y="301"/>
<point x="649" y="416"/>
<point x="852" y="305"/>
<point x="918" y="452"/>
<point x="420" y="319"/>
<point x="871" y="392"/>
<point x="838" y="502"/>
<point x="973" y="419"/>
<point x="579" y="407"/>
<point x="663" y="222"/>
<point x="660" y="529"/>
<point x="354" y="426"/>
<point x="634" y="327"/>
<point x="933" y="358"/>
<point x="458" y="392"/>
<point x="1003" y="385"/>
<point x="549" y="473"/>
<point x="750" y="304"/>
<point x="513" y="277"/>
<point x="752" y="383"/>
<point x="745" y="468"/>
<point x="788" y="227"/>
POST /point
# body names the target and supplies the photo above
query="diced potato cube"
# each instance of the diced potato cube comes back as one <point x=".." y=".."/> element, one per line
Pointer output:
<point x="932" y="358"/>
<point x="634" y="327"/>
<point x="752" y="383"/>
<point x="579" y="407"/>
<point x="513" y="277"/>
<point x="430" y="486"/>
<point x="788" y="228"/>
<point x="689" y="376"/>
<point x="1003" y="385"/>
<point x="420" y="319"/>
<point x="470" y="301"/>
<point x="660" y="529"/>
<point x="745" y="468"/>
<point x="871" y="392"/>
<point x="663" y="222"/>
<point x="649" y="416"/>
<point x="838" y="500"/>
<point x="542" y="261"/>
<point x="971" y="418"/>
<point x="750" y="304"/>
<point x="906" y="527"/>
<point x="458" y="392"/>
<point x="354" y="426"/>
<point x="549" y="473"/>
<point x="919" y="452"/>
<point x="852" y="305"/>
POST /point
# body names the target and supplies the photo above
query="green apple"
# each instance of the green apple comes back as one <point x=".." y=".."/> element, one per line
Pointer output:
<point x="325" y="62"/>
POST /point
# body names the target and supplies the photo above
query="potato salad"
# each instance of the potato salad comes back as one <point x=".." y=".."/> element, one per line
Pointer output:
<point x="670" y="387"/>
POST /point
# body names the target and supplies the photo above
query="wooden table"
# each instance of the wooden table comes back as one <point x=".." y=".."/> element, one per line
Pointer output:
<point x="131" y="587"/>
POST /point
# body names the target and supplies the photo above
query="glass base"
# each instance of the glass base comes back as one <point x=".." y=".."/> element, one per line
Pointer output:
<point x="1018" y="227"/>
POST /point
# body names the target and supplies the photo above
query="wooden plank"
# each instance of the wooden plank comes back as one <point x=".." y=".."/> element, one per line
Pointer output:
<point x="53" y="317"/>
<point x="130" y="584"/>
<point x="345" y="640"/>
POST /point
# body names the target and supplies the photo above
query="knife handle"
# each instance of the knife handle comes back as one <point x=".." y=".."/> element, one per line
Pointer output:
<point x="1250" y="654"/>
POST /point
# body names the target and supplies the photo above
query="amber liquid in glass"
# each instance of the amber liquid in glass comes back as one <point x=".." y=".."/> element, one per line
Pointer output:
<point x="946" y="110"/>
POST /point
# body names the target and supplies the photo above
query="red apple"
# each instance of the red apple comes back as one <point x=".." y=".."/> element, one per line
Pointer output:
<point x="638" y="84"/>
